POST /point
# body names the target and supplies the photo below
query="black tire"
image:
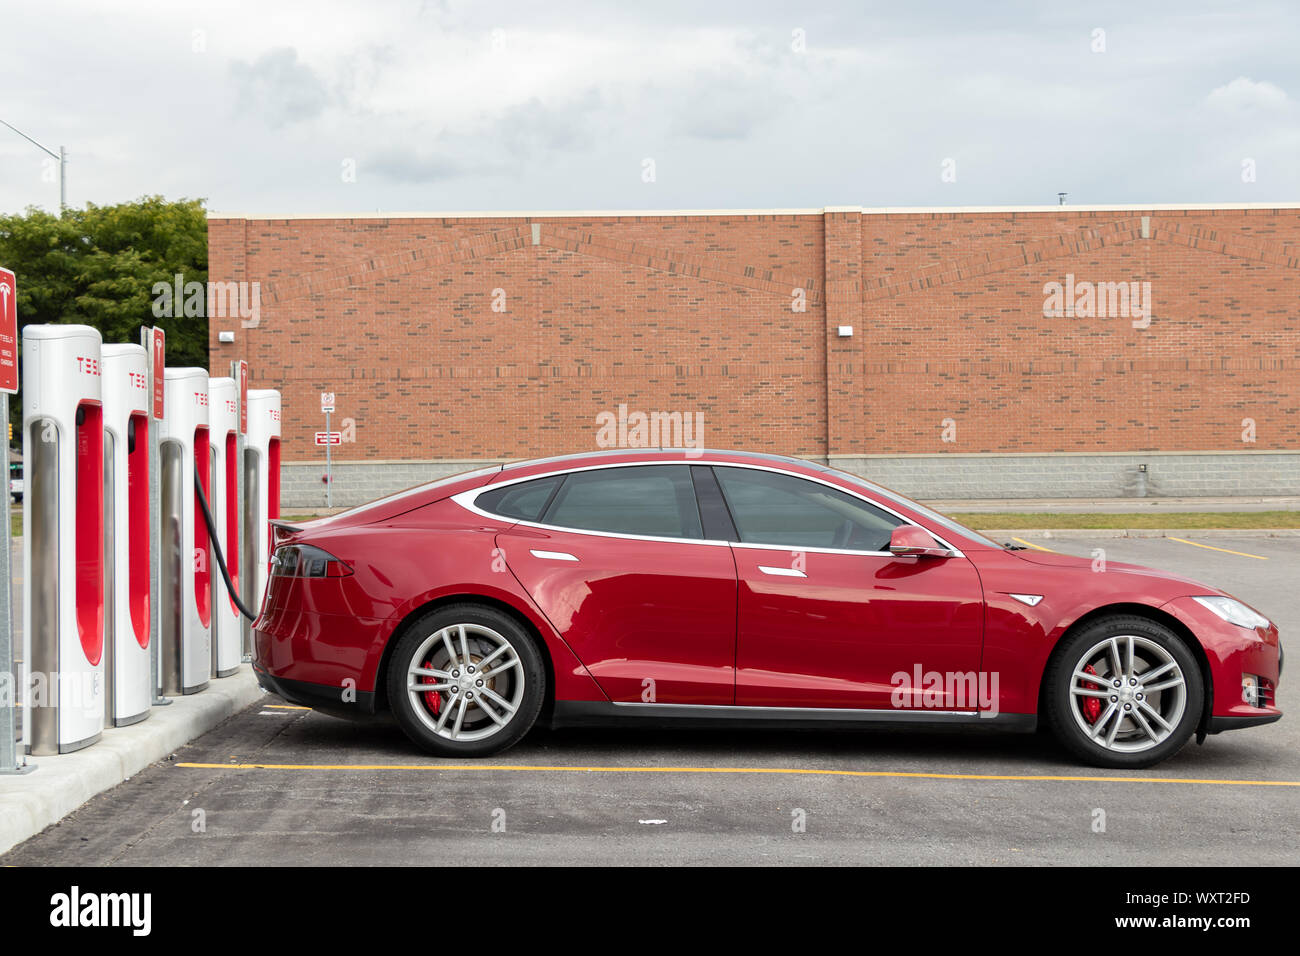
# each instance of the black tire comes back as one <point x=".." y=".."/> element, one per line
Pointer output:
<point x="531" y="695"/>
<point x="1064" y="720"/>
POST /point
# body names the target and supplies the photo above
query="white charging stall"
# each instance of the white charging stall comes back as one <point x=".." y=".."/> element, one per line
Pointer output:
<point x="63" y="521"/>
<point x="261" y="491"/>
<point x="223" y="433"/>
<point x="126" y="534"/>
<point x="186" y="560"/>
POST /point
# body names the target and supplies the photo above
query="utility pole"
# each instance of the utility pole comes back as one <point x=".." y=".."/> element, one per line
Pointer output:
<point x="61" y="156"/>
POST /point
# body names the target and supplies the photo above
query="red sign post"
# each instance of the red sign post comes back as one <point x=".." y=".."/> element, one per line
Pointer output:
<point x="10" y="762"/>
<point x="8" y="332"/>
<point x="243" y="397"/>
<point x="159" y="364"/>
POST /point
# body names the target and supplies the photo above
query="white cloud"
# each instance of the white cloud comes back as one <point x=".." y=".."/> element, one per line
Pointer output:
<point x="460" y="105"/>
<point x="1244" y="95"/>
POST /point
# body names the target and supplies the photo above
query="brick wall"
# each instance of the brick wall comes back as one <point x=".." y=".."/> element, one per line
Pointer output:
<point x="735" y="316"/>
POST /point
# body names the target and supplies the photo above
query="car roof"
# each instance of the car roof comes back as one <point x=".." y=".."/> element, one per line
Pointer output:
<point x="514" y="471"/>
<point x="660" y="454"/>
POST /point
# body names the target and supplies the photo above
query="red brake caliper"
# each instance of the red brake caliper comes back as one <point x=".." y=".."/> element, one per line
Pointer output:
<point x="432" y="699"/>
<point x="1091" y="705"/>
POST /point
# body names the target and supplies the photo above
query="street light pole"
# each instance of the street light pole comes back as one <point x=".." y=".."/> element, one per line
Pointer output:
<point x="61" y="156"/>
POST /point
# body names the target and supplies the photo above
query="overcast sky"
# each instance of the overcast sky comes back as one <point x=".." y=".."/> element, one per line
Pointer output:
<point x="271" y="106"/>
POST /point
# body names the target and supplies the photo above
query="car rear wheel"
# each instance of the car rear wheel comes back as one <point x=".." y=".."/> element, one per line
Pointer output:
<point x="1124" y="692"/>
<point x="466" y="681"/>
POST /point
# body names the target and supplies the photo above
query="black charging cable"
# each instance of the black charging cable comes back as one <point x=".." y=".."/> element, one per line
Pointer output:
<point x="216" y="547"/>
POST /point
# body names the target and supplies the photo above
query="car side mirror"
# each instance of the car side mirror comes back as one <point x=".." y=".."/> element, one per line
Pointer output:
<point x="909" y="539"/>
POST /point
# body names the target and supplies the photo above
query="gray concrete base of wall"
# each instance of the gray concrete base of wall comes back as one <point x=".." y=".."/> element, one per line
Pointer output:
<point x="1060" y="475"/>
<point x="1070" y="475"/>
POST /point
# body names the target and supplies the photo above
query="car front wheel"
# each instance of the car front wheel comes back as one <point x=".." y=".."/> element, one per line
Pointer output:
<point x="466" y="681"/>
<point x="1124" y="692"/>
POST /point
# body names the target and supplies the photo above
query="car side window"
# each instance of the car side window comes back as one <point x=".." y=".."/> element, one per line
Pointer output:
<point x="772" y="508"/>
<point x="524" y="501"/>
<point x="656" y="500"/>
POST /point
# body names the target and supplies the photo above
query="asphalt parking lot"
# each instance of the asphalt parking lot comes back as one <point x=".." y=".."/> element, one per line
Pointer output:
<point x="329" y="792"/>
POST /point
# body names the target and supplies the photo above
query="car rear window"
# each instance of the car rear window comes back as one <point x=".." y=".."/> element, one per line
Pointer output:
<point x="653" y="500"/>
<point x="524" y="501"/>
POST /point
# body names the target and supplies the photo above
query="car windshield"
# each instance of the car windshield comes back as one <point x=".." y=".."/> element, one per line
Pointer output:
<point x="942" y="520"/>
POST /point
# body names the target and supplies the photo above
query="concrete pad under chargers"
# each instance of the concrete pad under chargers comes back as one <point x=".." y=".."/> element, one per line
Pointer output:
<point x="31" y="802"/>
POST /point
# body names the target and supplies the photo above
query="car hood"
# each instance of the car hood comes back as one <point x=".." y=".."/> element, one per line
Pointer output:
<point x="1053" y="560"/>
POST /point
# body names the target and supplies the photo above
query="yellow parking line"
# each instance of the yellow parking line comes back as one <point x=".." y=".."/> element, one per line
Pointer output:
<point x="1210" y="547"/>
<point x="1030" y="544"/>
<point x="736" y="770"/>
<point x="284" y="707"/>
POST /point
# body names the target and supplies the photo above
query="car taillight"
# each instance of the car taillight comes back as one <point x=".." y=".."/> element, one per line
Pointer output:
<point x="306" y="561"/>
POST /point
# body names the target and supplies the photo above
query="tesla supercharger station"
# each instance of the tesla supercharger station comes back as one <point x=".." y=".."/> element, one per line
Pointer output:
<point x="223" y="433"/>
<point x="126" y="534"/>
<point x="63" y="521"/>
<point x="261" y="494"/>
<point x="186" y="560"/>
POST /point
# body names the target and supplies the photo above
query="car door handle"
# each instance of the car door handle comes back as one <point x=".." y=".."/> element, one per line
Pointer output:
<point x="782" y="572"/>
<point x="552" y="555"/>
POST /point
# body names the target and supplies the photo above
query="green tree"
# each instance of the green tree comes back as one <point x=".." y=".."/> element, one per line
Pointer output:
<point x="97" y="266"/>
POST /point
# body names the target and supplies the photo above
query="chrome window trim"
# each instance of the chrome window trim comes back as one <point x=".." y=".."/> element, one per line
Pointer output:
<point x="466" y="499"/>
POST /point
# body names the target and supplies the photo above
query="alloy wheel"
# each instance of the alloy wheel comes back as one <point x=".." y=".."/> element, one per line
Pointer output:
<point x="465" y="682"/>
<point x="1128" y="693"/>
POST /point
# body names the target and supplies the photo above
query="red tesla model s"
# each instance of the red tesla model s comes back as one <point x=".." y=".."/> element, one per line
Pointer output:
<point x="689" y="587"/>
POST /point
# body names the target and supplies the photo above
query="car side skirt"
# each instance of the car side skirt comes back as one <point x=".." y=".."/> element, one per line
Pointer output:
<point x="583" y="713"/>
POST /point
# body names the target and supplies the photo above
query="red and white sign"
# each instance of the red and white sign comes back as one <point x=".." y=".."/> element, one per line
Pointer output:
<point x="329" y="438"/>
<point x="159" y="363"/>
<point x="326" y="403"/>
<point x="243" y="397"/>
<point x="8" y="332"/>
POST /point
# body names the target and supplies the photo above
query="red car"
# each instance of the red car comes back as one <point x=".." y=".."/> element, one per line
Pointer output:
<point x="701" y="587"/>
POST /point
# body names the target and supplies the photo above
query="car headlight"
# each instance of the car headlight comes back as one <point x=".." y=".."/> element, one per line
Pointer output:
<point x="1234" y="612"/>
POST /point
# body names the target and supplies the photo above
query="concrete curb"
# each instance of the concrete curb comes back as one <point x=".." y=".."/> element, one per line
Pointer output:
<point x="31" y="802"/>
<point x="1066" y="533"/>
